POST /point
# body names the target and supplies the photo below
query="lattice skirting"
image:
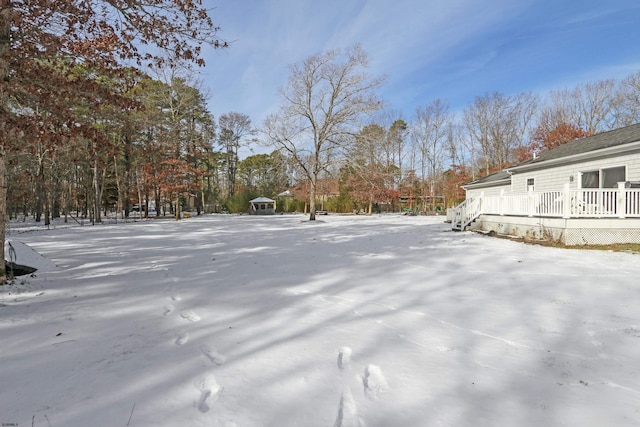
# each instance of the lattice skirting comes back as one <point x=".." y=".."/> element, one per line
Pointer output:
<point x="571" y="231"/>
<point x="594" y="236"/>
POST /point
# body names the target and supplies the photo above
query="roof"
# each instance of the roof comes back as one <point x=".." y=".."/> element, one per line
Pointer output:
<point x="577" y="149"/>
<point x="599" y="141"/>
<point x="261" y="200"/>
<point x="502" y="177"/>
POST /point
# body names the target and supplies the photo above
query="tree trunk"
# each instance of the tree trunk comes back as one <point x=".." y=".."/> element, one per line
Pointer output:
<point x="127" y="175"/>
<point x="65" y="205"/>
<point x="47" y="212"/>
<point x="5" y="40"/>
<point x="156" y="197"/>
<point x="312" y="199"/>
<point x="96" y="193"/>
<point x="3" y="211"/>
<point x="40" y="190"/>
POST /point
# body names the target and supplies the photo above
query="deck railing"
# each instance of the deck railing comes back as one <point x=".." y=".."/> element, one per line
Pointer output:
<point x="567" y="203"/>
<point x="465" y="213"/>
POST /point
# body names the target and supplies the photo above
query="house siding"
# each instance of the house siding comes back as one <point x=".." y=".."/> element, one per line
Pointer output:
<point x="598" y="216"/>
<point x="554" y="178"/>
<point x="487" y="191"/>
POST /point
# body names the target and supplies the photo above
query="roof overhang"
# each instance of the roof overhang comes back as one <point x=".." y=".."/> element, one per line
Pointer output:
<point x="630" y="148"/>
<point x="261" y="200"/>
<point x="497" y="183"/>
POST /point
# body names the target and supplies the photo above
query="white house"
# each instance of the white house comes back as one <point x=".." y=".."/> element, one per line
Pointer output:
<point x="584" y="192"/>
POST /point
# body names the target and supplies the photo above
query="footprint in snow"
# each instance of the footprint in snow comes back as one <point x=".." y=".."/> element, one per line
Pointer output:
<point x="182" y="337"/>
<point x="190" y="316"/>
<point x="176" y="297"/>
<point x="344" y="358"/>
<point x="212" y="355"/>
<point x="374" y="382"/>
<point x="347" y="411"/>
<point x="209" y="392"/>
<point x="168" y="309"/>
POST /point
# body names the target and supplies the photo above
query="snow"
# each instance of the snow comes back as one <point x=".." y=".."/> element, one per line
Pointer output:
<point x="243" y="321"/>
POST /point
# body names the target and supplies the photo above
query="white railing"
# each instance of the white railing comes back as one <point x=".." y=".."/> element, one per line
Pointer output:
<point x="465" y="213"/>
<point x="576" y="203"/>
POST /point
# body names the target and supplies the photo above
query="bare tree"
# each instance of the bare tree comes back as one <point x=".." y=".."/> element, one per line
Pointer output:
<point x="234" y="127"/>
<point x="499" y="125"/>
<point x="430" y="136"/>
<point x="526" y="109"/>
<point x="588" y="106"/>
<point x="627" y="101"/>
<point x="322" y="106"/>
<point x="396" y="143"/>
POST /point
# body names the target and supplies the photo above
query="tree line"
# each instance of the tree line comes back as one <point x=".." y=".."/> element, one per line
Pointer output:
<point x="159" y="146"/>
<point x="68" y="73"/>
<point x="331" y="125"/>
<point x="101" y="113"/>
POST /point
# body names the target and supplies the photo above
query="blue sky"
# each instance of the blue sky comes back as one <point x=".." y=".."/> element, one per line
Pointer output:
<point x="449" y="49"/>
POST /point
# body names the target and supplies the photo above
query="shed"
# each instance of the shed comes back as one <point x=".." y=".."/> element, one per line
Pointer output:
<point x="262" y="206"/>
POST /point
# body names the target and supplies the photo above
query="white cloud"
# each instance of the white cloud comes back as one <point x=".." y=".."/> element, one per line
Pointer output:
<point x="428" y="49"/>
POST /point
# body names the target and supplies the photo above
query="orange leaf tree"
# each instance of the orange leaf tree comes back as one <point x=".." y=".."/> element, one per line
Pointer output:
<point x="42" y="40"/>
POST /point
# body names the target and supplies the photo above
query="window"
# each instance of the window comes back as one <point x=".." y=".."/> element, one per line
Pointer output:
<point x="612" y="176"/>
<point x="530" y="184"/>
<point x="604" y="178"/>
<point x="591" y="179"/>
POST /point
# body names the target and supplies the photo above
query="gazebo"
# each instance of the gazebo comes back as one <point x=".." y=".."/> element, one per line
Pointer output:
<point x="262" y="206"/>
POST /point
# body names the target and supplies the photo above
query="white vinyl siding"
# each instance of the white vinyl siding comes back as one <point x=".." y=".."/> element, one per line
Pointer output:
<point x="555" y="178"/>
<point x="488" y="191"/>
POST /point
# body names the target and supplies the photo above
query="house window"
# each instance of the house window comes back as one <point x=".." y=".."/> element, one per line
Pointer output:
<point x="591" y="179"/>
<point x="612" y="176"/>
<point x="604" y="178"/>
<point x="530" y="184"/>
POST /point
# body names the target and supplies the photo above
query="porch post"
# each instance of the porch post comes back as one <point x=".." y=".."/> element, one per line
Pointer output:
<point x="531" y="209"/>
<point x="501" y="202"/>
<point x="566" y="201"/>
<point x="621" y="200"/>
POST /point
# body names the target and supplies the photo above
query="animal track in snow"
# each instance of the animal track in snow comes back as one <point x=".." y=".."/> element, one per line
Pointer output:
<point x="168" y="309"/>
<point x="209" y="390"/>
<point x="374" y="382"/>
<point x="176" y="297"/>
<point x="182" y="337"/>
<point x="212" y="355"/>
<point x="190" y="316"/>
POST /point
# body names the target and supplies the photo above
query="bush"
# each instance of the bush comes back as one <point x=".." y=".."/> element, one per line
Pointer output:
<point x="239" y="203"/>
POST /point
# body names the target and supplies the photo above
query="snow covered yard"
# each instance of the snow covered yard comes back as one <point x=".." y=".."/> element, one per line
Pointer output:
<point x="352" y="321"/>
